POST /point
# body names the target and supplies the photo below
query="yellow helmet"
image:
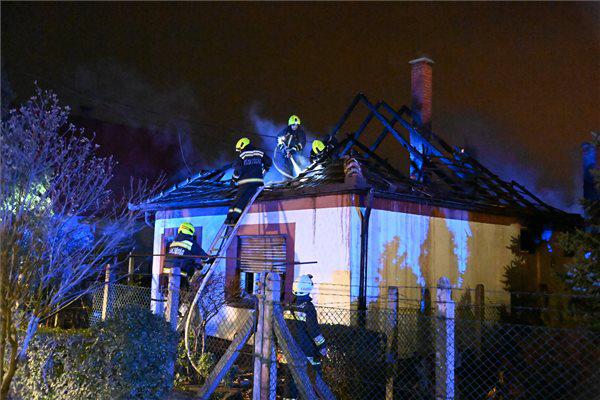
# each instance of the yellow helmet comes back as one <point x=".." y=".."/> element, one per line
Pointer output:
<point x="318" y="146"/>
<point x="242" y="143"/>
<point x="294" y="119"/>
<point x="186" y="228"/>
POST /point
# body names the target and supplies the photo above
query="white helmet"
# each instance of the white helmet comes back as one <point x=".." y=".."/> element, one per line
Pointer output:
<point x="302" y="285"/>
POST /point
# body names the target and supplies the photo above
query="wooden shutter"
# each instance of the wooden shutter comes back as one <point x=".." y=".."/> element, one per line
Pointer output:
<point x="262" y="253"/>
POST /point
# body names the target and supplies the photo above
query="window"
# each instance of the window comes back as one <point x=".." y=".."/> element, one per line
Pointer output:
<point x="259" y="253"/>
<point x="271" y="244"/>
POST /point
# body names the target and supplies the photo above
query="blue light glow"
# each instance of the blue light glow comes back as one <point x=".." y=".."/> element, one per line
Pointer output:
<point x="546" y="236"/>
<point x="418" y="143"/>
<point x="461" y="232"/>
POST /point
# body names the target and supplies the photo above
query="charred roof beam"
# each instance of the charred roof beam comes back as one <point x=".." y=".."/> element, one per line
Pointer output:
<point x="385" y="131"/>
<point x="497" y="185"/>
<point x="361" y="98"/>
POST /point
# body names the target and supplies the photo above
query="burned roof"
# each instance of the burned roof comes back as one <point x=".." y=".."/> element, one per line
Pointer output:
<point x="439" y="173"/>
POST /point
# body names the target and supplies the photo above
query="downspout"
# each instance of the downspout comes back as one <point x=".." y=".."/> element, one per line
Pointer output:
<point x="364" y="253"/>
<point x="147" y="219"/>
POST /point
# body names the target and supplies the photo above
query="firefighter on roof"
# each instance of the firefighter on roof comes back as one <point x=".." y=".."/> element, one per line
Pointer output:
<point x="301" y="319"/>
<point x="250" y="167"/>
<point x="288" y="153"/>
<point x="185" y="244"/>
<point x="322" y="150"/>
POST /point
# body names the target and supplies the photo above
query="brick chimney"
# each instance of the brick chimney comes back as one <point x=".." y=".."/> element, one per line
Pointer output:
<point x="421" y="91"/>
<point x="591" y="160"/>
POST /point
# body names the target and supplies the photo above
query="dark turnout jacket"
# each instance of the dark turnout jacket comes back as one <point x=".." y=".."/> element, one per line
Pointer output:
<point x="301" y="319"/>
<point x="183" y="245"/>
<point x="251" y="165"/>
<point x="293" y="140"/>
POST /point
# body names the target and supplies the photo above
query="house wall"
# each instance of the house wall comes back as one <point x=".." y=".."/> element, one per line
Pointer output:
<point x="409" y="245"/>
<point x="409" y="250"/>
<point x="321" y="229"/>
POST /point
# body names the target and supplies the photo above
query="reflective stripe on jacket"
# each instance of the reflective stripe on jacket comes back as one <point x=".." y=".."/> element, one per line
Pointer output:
<point x="251" y="165"/>
<point x="301" y="319"/>
<point x="183" y="245"/>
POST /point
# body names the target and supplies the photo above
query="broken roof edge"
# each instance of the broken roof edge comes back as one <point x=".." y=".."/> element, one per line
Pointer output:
<point x="205" y="175"/>
<point x="553" y="219"/>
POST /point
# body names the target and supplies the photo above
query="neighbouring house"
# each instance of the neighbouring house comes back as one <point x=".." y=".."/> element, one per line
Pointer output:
<point x="372" y="223"/>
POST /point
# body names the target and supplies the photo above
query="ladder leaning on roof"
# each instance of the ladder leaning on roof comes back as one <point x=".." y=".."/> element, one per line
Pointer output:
<point x="220" y="243"/>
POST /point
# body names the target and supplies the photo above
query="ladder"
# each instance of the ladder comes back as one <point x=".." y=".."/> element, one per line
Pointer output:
<point x="220" y="243"/>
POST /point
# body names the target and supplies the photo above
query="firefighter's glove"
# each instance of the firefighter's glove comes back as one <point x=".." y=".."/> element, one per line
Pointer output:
<point x="232" y="183"/>
<point x="323" y="352"/>
<point x="281" y="143"/>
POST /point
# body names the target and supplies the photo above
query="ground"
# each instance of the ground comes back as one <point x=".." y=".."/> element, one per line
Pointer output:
<point x="220" y="393"/>
<point x="181" y="395"/>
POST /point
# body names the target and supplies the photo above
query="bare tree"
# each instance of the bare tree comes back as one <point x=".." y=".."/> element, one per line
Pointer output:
<point x="209" y="305"/>
<point x="58" y="220"/>
<point x="211" y="302"/>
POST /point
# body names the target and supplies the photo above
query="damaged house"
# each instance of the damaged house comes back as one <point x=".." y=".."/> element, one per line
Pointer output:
<point x="370" y="222"/>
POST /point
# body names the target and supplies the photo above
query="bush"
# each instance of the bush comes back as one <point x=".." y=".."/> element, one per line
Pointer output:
<point x="125" y="357"/>
<point x="185" y="374"/>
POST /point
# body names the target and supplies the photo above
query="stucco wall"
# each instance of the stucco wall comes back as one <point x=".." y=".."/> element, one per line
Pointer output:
<point x="408" y="246"/>
<point x="322" y="234"/>
<point x="411" y="250"/>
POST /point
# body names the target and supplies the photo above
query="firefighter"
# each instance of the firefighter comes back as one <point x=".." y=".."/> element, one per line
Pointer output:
<point x="322" y="150"/>
<point x="288" y="153"/>
<point x="301" y="319"/>
<point x="250" y="167"/>
<point x="185" y="244"/>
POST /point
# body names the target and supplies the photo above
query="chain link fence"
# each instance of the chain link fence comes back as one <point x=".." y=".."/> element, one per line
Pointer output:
<point x="384" y="354"/>
<point x="108" y="299"/>
<point x="409" y="353"/>
<point x="493" y="360"/>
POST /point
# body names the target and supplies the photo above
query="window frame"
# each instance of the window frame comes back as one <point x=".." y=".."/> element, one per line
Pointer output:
<point x="232" y="270"/>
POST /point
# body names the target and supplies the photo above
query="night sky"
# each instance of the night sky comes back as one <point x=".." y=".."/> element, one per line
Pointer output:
<point x="517" y="82"/>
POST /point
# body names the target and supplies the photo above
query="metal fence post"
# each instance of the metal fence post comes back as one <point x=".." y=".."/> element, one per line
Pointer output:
<point x="391" y="348"/>
<point x="265" y="367"/>
<point x="479" y="315"/>
<point x="107" y="303"/>
<point x="258" y="337"/>
<point x="424" y="341"/>
<point x="444" y="343"/>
